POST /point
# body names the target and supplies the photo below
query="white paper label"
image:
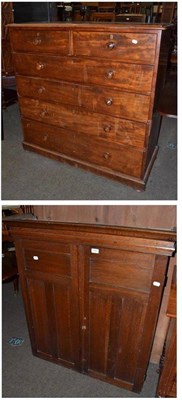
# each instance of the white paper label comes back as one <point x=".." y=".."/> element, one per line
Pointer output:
<point x="35" y="258"/>
<point x="155" y="283"/>
<point x="95" y="251"/>
<point x="134" y="41"/>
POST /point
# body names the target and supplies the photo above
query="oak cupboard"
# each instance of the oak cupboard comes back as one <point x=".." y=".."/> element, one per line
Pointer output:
<point x="88" y="94"/>
<point x="92" y="295"/>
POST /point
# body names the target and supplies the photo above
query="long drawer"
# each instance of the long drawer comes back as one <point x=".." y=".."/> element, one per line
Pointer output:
<point x="129" y="47"/>
<point x="39" y="41"/>
<point x="79" y="121"/>
<point x="84" y="148"/>
<point x="132" y="77"/>
<point x="96" y="99"/>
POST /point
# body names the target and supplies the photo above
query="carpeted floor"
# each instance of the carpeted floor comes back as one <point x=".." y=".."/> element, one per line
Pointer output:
<point x="27" y="376"/>
<point x="28" y="176"/>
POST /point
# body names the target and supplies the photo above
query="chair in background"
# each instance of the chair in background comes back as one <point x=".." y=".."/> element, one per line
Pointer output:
<point x="102" y="17"/>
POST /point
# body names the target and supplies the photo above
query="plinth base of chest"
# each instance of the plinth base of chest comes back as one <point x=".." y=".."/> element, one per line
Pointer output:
<point x="138" y="184"/>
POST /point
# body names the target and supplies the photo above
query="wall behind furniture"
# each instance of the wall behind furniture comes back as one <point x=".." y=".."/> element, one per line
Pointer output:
<point x="159" y="217"/>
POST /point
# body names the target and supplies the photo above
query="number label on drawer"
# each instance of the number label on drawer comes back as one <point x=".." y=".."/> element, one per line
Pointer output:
<point x="157" y="284"/>
<point x="35" y="258"/>
<point x="94" y="251"/>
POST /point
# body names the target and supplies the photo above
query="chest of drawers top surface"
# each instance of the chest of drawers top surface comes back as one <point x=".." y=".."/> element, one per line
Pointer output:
<point x="91" y="25"/>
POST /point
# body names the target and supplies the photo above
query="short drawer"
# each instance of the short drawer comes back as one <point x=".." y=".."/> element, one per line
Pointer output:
<point x="130" y="270"/>
<point x="40" y="41"/>
<point x="96" y="99"/>
<point x="79" y="121"/>
<point x="84" y="148"/>
<point x="130" y="47"/>
<point x="43" y="256"/>
<point x="131" y="77"/>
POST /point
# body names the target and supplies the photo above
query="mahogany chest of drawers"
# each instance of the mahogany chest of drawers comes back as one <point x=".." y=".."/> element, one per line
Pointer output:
<point x="92" y="295"/>
<point x="88" y="94"/>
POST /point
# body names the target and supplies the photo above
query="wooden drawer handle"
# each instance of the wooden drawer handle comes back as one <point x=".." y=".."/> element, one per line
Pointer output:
<point x="45" y="137"/>
<point x="110" y="74"/>
<point x="107" y="128"/>
<point x="40" y="66"/>
<point x="111" y="45"/>
<point x="106" y="156"/>
<point x="41" y="90"/>
<point x="109" y="102"/>
<point x="43" y="113"/>
<point x="37" y="41"/>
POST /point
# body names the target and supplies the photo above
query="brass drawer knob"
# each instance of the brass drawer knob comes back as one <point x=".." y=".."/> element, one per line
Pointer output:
<point x="109" y="102"/>
<point x="41" y="89"/>
<point x="37" y="41"/>
<point x="111" y="45"/>
<point x="106" y="156"/>
<point x="107" y="128"/>
<point x="110" y="74"/>
<point x="40" y="66"/>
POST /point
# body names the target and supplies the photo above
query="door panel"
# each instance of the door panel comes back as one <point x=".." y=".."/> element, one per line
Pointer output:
<point x="37" y="296"/>
<point x="119" y="295"/>
<point x="99" y="323"/>
<point x="115" y="330"/>
<point x="52" y="294"/>
<point x="122" y="269"/>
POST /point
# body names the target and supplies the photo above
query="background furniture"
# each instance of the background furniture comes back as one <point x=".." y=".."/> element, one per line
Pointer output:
<point x="29" y="11"/>
<point x="110" y="314"/>
<point x="9" y="266"/>
<point x="92" y="105"/>
<point x="130" y="18"/>
<point x="103" y="16"/>
<point x="9" y="95"/>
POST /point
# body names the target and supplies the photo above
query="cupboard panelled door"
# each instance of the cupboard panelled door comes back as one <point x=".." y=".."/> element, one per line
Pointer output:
<point x="49" y="275"/>
<point x="122" y="297"/>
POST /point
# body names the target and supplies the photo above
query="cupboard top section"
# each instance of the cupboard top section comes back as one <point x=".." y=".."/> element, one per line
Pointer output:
<point x="144" y="240"/>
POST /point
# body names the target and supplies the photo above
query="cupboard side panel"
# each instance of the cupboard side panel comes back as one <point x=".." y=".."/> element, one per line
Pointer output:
<point x="155" y="298"/>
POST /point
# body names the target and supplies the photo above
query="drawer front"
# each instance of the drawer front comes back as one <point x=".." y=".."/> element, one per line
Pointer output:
<point x="96" y="99"/>
<point x="84" y="148"/>
<point x="42" y="256"/>
<point x="36" y="41"/>
<point x="79" y="121"/>
<point x="128" y="270"/>
<point x="131" y="47"/>
<point x="132" y="77"/>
